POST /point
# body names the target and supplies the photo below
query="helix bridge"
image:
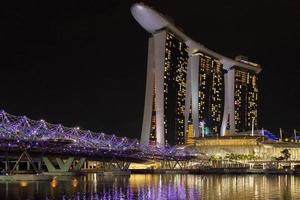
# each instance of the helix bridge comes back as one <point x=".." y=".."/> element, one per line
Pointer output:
<point x="19" y="133"/>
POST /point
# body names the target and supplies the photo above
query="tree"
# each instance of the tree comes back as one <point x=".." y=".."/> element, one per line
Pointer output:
<point x="286" y="154"/>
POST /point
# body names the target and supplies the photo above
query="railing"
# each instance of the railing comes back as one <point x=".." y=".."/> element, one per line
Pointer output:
<point x="20" y="132"/>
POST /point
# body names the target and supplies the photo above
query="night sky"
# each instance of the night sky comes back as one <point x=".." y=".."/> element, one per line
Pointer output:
<point x="83" y="63"/>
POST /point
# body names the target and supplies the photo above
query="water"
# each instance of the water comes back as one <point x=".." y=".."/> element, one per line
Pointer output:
<point x="157" y="187"/>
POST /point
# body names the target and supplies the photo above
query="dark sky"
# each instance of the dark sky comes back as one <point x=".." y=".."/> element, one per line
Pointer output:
<point x="83" y="63"/>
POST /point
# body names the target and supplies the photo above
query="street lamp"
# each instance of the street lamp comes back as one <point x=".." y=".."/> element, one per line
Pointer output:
<point x="252" y="132"/>
<point x="253" y="120"/>
<point x="202" y="123"/>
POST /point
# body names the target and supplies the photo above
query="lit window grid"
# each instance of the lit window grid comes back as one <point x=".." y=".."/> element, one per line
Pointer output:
<point x="153" y="119"/>
<point x="246" y="99"/>
<point x="210" y="92"/>
<point x="180" y="82"/>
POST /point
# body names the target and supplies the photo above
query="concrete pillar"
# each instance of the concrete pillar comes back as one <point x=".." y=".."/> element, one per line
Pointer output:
<point x="228" y="115"/>
<point x="39" y="165"/>
<point x="79" y="165"/>
<point x="17" y="168"/>
<point x="159" y="40"/>
<point x="194" y="65"/>
<point x="63" y="166"/>
<point x="145" y="135"/>
<point x="6" y="165"/>
<point x="49" y="165"/>
<point x="28" y="166"/>
<point x="251" y="166"/>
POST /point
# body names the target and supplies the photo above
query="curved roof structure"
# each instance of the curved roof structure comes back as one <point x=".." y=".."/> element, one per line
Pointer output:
<point x="153" y="21"/>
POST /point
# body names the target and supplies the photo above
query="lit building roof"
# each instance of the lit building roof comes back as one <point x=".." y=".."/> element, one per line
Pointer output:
<point x="153" y="21"/>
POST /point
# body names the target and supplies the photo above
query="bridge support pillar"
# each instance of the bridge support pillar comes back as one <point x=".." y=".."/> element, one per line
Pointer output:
<point x="85" y="165"/>
<point x="17" y="167"/>
<point x="39" y="165"/>
<point x="63" y="166"/>
<point x="49" y="165"/>
<point x="6" y="166"/>
<point x="116" y="168"/>
<point x="28" y="166"/>
<point x="115" y="164"/>
<point x="80" y="163"/>
<point x="173" y="164"/>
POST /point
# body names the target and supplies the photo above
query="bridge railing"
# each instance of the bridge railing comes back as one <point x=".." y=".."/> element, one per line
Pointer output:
<point x="22" y="128"/>
<point x="22" y="132"/>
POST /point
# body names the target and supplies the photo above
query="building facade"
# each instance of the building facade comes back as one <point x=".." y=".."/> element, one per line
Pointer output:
<point x="242" y="116"/>
<point x="211" y="89"/>
<point x="166" y="89"/>
<point x="192" y="91"/>
<point x="262" y="147"/>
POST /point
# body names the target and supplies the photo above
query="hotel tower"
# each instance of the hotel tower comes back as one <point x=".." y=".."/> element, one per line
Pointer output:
<point x="192" y="91"/>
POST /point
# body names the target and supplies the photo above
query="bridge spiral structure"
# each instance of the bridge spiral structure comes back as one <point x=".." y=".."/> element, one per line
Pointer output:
<point x="18" y="133"/>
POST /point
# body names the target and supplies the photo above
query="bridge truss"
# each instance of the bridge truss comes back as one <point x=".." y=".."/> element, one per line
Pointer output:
<point x="18" y="133"/>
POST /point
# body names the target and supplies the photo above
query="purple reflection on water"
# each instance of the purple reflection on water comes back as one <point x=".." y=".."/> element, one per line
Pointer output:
<point x="157" y="187"/>
<point x="144" y="187"/>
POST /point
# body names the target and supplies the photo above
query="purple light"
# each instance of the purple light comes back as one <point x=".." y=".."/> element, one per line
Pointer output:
<point x="55" y="138"/>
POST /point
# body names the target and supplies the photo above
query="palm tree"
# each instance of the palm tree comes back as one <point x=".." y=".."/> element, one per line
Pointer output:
<point x="286" y="154"/>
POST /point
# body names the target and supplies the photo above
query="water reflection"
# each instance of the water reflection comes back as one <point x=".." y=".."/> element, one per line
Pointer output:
<point x="156" y="187"/>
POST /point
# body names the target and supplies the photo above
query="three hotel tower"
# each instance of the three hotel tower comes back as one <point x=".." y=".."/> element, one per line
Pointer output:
<point x="192" y="91"/>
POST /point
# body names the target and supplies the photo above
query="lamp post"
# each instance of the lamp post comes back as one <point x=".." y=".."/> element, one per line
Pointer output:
<point x="253" y="120"/>
<point x="252" y="131"/>
<point x="202" y="128"/>
<point x="280" y="131"/>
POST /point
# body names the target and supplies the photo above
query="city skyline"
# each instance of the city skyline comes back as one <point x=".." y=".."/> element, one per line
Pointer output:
<point x="36" y="83"/>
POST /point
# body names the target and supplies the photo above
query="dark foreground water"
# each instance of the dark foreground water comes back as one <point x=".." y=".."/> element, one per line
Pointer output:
<point x="158" y="187"/>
